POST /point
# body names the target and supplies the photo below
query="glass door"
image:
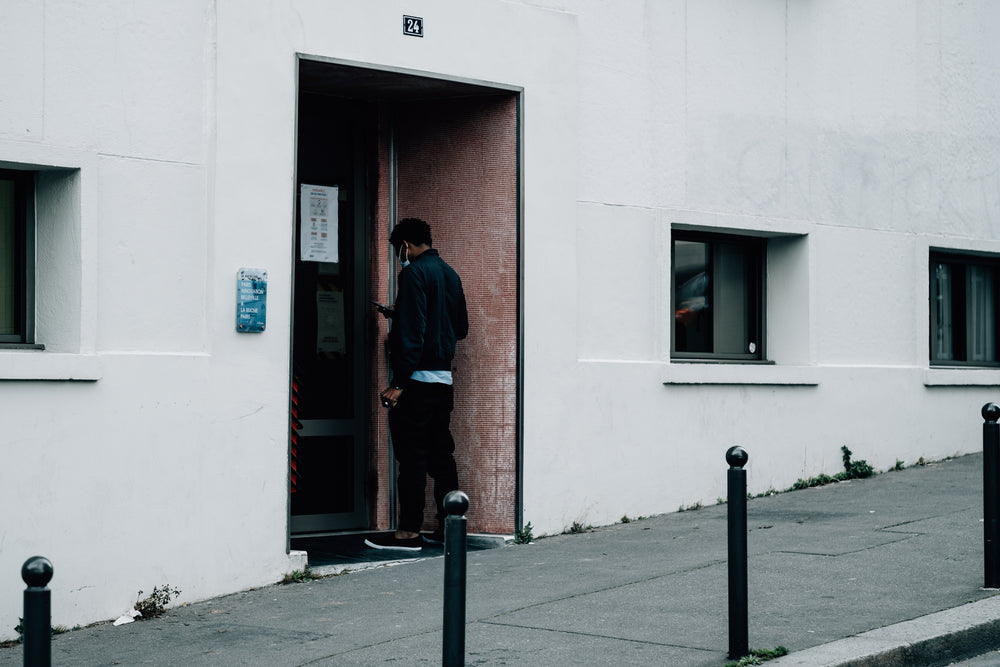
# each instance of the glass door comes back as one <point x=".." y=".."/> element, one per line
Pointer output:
<point x="329" y="421"/>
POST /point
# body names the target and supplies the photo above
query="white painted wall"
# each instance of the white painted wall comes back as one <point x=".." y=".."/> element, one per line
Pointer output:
<point x="148" y="443"/>
<point x="861" y="136"/>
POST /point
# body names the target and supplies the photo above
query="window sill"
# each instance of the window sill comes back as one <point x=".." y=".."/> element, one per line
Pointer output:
<point x="762" y="374"/>
<point x="37" y="365"/>
<point x="962" y="377"/>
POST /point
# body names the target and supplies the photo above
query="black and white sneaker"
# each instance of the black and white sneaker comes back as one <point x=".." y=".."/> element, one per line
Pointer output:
<point x="394" y="543"/>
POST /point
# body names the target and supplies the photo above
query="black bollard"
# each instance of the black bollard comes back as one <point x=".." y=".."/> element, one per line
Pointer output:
<point x="991" y="484"/>
<point x="739" y="640"/>
<point x="37" y="623"/>
<point x="456" y="503"/>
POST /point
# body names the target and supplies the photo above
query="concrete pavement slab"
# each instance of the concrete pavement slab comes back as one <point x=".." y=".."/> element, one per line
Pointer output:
<point x="836" y="568"/>
<point x="507" y="645"/>
<point x="681" y="609"/>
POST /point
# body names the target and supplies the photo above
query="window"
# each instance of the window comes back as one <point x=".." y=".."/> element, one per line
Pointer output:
<point x="16" y="256"/>
<point x="963" y="309"/>
<point x="717" y="286"/>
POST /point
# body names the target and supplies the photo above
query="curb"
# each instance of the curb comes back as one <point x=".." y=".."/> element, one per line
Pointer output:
<point x="934" y="639"/>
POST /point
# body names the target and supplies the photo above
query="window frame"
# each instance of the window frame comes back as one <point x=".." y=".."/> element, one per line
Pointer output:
<point x="755" y="248"/>
<point x="24" y="250"/>
<point x="960" y="338"/>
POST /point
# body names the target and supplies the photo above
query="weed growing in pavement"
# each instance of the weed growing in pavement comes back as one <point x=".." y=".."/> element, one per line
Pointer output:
<point x="758" y="656"/>
<point x="578" y="527"/>
<point x="854" y="469"/>
<point x="156" y="602"/>
<point x="690" y="508"/>
<point x="899" y="466"/>
<point x="524" y="535"/>
<point x="819" y="480"/>
<point x="298" y="576"/>
<point x="19" y="629"/>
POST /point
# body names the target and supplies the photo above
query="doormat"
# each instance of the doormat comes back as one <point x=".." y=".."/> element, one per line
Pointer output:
<point x="348" y="550"/>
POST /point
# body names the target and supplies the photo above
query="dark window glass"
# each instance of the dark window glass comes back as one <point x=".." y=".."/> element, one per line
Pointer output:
<point x="14" y="261"/>
<point x="963" y="309"/>
<point x="717" y="296"/>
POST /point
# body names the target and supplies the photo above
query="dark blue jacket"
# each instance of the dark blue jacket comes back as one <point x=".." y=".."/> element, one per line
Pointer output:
<point x="430" y="316"/>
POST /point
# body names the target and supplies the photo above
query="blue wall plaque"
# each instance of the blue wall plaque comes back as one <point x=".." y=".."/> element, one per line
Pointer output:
<point x="251" y="300"/>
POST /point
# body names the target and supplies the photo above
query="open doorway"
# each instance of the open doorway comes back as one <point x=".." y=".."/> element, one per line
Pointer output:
<point x="381" y="145"/>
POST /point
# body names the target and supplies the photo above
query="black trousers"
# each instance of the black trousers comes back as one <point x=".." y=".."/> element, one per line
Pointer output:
<point x="422" y="443"/>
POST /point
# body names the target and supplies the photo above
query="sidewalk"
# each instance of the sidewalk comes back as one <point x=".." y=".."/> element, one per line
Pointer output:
<point x="898" y="556"/>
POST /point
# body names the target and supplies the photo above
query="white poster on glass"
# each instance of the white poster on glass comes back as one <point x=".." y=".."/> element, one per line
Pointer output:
<point x="318" y="223"/>
<point x="330" y="332"/>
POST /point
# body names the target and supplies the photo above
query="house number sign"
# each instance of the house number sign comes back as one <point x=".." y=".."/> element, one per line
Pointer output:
<point x="413" y="26"/>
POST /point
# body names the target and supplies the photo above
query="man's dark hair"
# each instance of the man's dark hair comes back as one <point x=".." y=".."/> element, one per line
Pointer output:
<point x="414" y="230"/>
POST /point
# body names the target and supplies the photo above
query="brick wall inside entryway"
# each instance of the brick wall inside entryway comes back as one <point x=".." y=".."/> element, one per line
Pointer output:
<point x="458" y="169"/>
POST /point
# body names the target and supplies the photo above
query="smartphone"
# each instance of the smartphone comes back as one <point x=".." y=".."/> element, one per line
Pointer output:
<point x="381" y="307"/>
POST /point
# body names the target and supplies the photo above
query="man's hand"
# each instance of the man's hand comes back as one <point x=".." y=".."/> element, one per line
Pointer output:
<point x="390" y="396"/>
<point x="386" y="311"/>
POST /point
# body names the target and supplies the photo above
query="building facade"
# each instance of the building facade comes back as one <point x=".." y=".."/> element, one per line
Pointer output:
<point x="681" y="226"/>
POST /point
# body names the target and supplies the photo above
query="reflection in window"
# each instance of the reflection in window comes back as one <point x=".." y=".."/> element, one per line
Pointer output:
<point x="717" y="297"/>
<point x="692" y="309"/>
<point x="963" y="309"/>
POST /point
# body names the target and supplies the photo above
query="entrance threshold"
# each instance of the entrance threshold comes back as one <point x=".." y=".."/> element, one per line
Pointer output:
<point x="332" y="554"/>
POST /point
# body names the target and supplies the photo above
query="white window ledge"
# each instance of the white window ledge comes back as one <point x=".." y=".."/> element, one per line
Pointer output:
<point x="764" y="374"/>
<point x="39" y="365"/>
<point x="962" y="377"/>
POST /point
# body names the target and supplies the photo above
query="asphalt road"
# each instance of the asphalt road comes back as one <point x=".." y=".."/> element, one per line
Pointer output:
<point x="991" y="659"/>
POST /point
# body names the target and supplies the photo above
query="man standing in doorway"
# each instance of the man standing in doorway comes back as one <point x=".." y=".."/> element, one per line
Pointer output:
<point x="428" y="318"/>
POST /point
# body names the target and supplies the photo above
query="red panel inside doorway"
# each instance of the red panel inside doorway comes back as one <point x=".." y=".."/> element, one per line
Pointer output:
<point x="457" y="169"/>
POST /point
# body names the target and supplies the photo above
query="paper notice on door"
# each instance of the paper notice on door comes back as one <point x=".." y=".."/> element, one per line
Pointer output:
<point x="318" y="223"/>
<point x="330" y="332"/>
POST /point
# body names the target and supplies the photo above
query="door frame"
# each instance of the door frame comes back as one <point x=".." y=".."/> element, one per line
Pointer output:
<point x="371" y="82"/>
